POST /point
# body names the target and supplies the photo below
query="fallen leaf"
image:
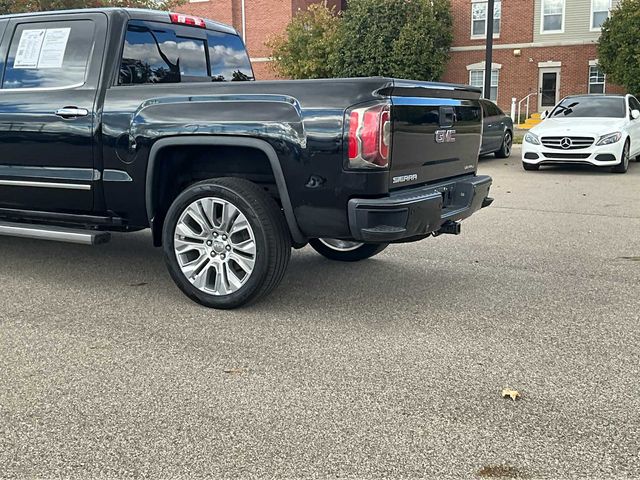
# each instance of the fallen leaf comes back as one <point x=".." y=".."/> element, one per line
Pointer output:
<point x="514" y="394"/>
<point x="498" y="471"/>
<point x="235" y="371"/>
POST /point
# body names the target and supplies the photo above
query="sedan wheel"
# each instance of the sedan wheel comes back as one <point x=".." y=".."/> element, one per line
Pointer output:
<point x="507" y="144"/>
<point x="623" y="166"/>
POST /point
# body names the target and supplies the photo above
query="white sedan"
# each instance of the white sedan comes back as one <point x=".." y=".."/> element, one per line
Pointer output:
<point x="601" y="130"/>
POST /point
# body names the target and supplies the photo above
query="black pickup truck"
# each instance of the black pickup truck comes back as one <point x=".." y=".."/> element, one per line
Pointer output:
<point x="121" y="120"/>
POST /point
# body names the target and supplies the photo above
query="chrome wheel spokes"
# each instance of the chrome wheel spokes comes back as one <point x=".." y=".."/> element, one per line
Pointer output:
<point x="215" y="246"/>
<point x="340" y="245"/>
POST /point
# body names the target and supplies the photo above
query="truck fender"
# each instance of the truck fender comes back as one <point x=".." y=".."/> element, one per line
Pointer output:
<point x="230" y="141"/>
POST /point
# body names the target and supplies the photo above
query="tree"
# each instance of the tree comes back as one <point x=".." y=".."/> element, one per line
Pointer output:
<point x="19" y="6"/>
<point x="398" y="38"/>
<point x="307" y="47"/>
<point x="619" y="46"/>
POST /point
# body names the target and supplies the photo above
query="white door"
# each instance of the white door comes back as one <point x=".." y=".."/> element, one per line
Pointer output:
<point x="548" y="88"/>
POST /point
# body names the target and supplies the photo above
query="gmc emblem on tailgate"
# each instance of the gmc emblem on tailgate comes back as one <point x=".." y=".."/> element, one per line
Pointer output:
<point x="445" y="136"/>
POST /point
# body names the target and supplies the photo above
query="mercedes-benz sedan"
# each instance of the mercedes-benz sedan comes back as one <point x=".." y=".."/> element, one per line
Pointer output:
<point x="600" y="130"/>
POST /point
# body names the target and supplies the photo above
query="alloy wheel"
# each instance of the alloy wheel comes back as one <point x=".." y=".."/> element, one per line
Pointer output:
<point x="215" y="246"/>
<point x="508" y="142"/>
<point x="340" y="245"/>
<point x="625" y="156"/>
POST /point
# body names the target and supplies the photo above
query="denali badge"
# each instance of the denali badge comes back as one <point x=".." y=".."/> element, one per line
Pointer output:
<point x="445" y="136"/>
<point x="405" y="178"/>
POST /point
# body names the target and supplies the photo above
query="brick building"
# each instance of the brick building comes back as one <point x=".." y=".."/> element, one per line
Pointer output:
<point x="256" y="20"/>
<point x="546" y="48"/>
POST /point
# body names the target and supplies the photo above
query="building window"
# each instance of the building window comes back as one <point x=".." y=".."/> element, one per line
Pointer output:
<point x="476" y="79"/>
<point x="479" y="18"/>
<point x="596" y="79"/>
<point x="599" y="13"/>
<point x="552" y="16"/>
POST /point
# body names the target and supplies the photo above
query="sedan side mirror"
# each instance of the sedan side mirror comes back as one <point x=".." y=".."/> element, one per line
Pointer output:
<point x="545" y="114"/>
<point x="635" y="114"/>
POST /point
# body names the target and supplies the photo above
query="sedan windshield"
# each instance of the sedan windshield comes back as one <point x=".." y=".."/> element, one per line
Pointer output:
<point x="592" y="106"/>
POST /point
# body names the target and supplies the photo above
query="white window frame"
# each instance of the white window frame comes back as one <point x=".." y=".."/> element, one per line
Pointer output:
<point x="486" y="14"/>
<point x="591" y="27"/>
<point x="547" y="32"/>
<point x="496" y="86"/>
<point x="594" y="64"/>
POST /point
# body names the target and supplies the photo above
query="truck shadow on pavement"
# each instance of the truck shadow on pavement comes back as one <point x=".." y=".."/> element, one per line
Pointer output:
<point x="131" y="266"/>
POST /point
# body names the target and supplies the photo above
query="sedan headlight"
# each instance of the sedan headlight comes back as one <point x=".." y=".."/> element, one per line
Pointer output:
<point x="532" y="138"/>
<point x="609" y="139"/>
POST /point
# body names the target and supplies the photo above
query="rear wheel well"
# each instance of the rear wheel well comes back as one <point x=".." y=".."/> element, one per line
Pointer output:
<point x="177" y="167"/>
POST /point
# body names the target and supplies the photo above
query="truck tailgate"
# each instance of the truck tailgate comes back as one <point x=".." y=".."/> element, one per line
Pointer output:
<point x="437" y="130"/>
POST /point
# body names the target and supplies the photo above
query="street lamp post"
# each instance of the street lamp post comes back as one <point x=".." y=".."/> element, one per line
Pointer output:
<point x="488" y="59"/>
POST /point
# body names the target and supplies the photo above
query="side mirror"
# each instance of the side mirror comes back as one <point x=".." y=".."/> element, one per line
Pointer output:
<point x="545" y="114"/>
<point x="635" y="114"/>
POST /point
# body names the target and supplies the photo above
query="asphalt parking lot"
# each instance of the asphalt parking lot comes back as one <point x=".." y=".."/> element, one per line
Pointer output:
<point x="388" y="368"/>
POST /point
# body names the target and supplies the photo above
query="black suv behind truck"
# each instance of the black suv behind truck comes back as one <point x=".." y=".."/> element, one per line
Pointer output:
<point x="120" y="120"/>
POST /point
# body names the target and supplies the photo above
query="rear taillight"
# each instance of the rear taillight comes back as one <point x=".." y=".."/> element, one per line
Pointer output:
<point x="187" y="20"/>
<point x="369" y="137"/>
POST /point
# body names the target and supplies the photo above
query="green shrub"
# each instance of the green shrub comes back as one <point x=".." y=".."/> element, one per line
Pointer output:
<point x="398" y="38"/>
<point x="308" y="46"/>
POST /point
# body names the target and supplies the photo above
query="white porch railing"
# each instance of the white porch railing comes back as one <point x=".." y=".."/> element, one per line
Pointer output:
<point x="519" y="107"/>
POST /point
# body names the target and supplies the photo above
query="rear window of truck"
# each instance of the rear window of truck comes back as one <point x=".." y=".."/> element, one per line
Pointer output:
<point x="161" y="53"/>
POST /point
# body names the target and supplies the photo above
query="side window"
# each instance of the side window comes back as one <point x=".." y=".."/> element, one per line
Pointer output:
<point x="485" y="111"/>
<point x="492" y="109"/>
<point x="153" y="53"/>
<point x="49" y="54"/>
<point x="229" y="60"/>
<point x="634" y="104"/>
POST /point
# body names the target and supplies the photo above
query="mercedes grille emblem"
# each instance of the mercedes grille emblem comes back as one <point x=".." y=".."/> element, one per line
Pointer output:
<point x="565" y="143"/>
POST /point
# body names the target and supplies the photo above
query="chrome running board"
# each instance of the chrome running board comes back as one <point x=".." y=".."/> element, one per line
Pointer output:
<point x="59" y="234"/>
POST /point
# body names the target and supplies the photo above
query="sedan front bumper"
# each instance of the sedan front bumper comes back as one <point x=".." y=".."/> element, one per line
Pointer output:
<point x="417" y="212"/>
<point x="600" y="156"/>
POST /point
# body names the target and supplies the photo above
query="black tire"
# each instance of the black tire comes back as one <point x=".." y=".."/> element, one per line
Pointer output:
<point x="272" y="240"/>
<point x="362" y="252"/>
<point x="623" y="166"/>
<point x="507" y="144"/>
<point x="530" y="166"/>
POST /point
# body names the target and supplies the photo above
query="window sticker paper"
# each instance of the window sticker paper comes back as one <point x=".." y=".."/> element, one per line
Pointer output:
<point x="53" y="48"/>
<point x="29" y="48"/>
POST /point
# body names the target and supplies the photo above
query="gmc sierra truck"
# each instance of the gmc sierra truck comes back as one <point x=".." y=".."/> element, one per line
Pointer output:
<point x="121" y="120"/>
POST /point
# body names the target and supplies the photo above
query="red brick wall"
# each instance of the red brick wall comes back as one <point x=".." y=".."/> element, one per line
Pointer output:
<point x="219" y="10"/>
<point x="516" y="25"/>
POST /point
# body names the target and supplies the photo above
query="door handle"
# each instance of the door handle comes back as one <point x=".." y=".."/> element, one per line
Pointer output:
<point x="72" y="112"/>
